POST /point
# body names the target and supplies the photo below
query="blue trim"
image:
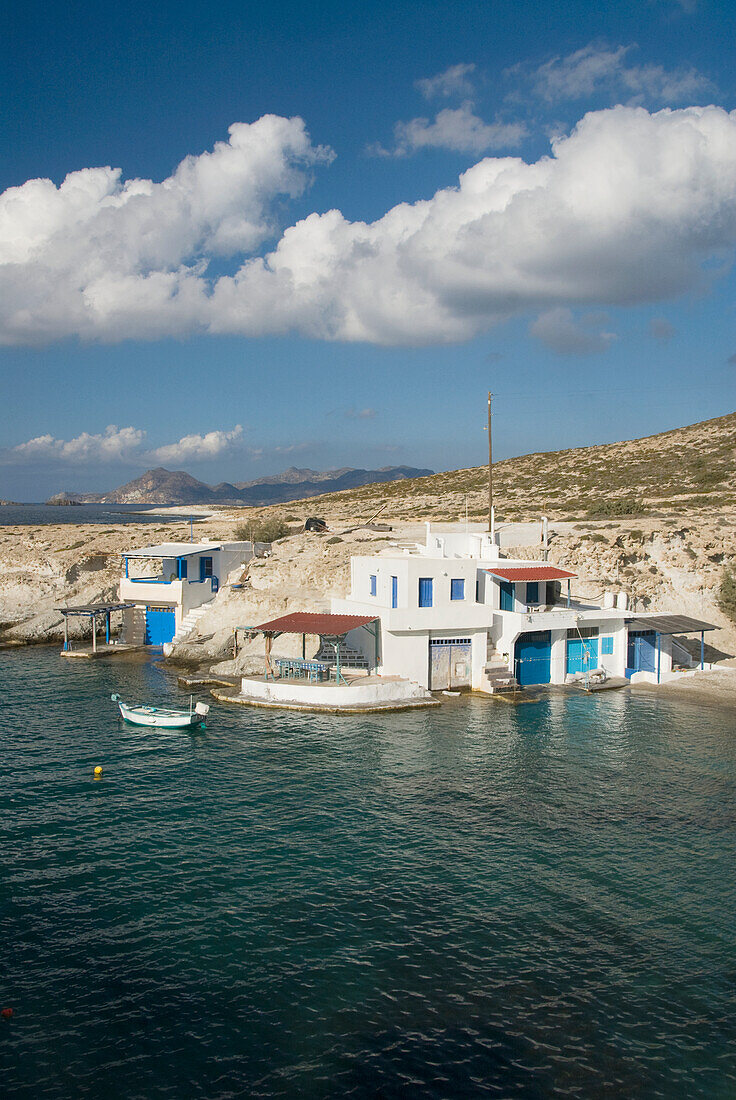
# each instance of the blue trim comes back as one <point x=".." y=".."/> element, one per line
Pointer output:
<point x="457" y="588"/>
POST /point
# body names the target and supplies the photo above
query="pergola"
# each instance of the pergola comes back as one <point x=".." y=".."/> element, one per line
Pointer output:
<point x="672" y="624"/>
<point x="330" y="628"/>
<point x="95" y="611"/>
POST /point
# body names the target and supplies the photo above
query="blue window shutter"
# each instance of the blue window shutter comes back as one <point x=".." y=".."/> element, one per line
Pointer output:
<point x="425" y="591"/>
<point x="373" y="584"/>
<point x="394" y="591"/>
<point x="457" y="588"/>
<point x="532" y="592"/>
<point x="507" y="595"/>
<point x="607" y="646"/>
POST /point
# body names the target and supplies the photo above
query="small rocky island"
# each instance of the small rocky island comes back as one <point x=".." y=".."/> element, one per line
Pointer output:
<point x="64" y="500"/>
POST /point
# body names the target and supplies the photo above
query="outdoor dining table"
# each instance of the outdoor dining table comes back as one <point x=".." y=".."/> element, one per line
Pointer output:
<point x="296" y="668"/>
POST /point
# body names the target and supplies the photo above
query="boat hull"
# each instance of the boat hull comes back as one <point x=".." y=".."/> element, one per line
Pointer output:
<point x="161" y="717"/>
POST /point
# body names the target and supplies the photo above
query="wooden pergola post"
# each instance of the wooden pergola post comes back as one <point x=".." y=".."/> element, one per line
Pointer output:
<point x="66" y="633"/>
<point x="93" y="617"/>
<point x="268" y="642"/>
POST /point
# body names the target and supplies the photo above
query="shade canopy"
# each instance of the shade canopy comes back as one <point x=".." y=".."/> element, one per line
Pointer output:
<point x="93" y="608"/>
<point x="669" y="624"/>
<point x="531" y="573"/>
<point x="307" y="622"/>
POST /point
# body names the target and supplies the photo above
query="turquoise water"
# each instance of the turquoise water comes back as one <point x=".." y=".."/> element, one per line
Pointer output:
<point x="478" y="900"/>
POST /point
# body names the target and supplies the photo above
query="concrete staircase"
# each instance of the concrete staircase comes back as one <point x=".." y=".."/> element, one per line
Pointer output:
<point x="189" y="622"/>
<point x="498" y="677"/>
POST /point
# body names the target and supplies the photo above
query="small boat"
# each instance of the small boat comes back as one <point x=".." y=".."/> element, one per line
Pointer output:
<point x="164" y="717"/>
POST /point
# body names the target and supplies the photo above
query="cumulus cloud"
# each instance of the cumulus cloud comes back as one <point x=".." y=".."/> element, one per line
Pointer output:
<point x="113" y="445"/>
<point x="630" y="207"/>
<point x="116" y="445"/>
<point x="597" y="68"/>
<point x="97" y="255"/>
<point x="558" y="330"/>
<point x="453" y="81"/>
<point x="197" y="447"/>
<point x="457" y="129"/>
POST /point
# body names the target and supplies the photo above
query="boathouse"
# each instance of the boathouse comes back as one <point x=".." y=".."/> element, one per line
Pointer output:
<point x="166" y="583"/>
<point x="454" y="614"/>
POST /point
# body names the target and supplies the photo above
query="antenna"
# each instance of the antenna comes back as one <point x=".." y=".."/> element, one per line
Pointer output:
<point x="490" y="466"/>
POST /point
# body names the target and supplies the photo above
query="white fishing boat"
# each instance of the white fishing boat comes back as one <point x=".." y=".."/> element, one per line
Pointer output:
<point x="164" y="717"/>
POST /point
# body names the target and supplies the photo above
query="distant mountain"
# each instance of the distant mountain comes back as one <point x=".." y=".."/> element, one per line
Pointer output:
<point x="161" y="486"/>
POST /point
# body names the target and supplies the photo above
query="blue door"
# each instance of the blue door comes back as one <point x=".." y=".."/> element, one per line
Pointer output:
<point x="160" y="625"/>
<point x="532" y="657"/>
<point x="507" y="596"/>
<point x="582" y="654"/>
<point x="394" y="591"/>
<point x="641" y="654"/>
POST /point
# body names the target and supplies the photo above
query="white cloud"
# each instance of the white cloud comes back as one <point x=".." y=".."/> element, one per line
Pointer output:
<point x="118" y="445"/>
<point x="97" y="256"/>
<point x="596" y="68"/>
<point x="113" y="445"/>
<point x="558" y="330"/>
<point x="458" y="129"/>
<point x="631" y="207"/>
<point x="361" y="414"/>
<point x="453" y="81"/>
<point x="197" y="447"/>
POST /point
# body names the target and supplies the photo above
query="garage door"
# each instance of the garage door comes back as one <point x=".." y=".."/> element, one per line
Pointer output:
<point x="641" y="652"/>
<point x="449" y="663"/>
<point x="582" y="654"/>
<point x="160" y="625"/>
<point x="532" y="657"/>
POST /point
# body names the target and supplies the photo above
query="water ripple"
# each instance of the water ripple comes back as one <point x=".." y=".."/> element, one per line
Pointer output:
<point x="481" y="901"/>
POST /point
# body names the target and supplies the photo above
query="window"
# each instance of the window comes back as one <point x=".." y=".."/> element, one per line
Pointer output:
<point x="425" y="591"/>
<point x="532" y="592"/>
<point x="394" y="591"/>
<point x="607" y="646"/>
<point x="205" y="568"/>
<point x="457" y="588"/>
<point x="372" y="582"/>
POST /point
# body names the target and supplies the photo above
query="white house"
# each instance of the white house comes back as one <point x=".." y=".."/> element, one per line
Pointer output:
<point x="453" y="613"/>
<point x="167" y="582"/>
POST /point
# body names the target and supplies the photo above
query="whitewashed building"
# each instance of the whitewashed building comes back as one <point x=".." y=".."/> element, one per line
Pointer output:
<point x="454" y="613"/>
<point x="167" y="582"/>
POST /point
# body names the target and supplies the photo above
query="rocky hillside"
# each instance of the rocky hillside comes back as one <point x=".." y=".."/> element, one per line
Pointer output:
<point x="671" y="473"/>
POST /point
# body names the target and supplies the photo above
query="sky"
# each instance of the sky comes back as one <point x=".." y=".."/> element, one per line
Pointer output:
<point x="236" y="237"/>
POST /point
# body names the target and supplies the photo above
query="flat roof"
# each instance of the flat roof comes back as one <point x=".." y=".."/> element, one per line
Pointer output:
<point x="307" y="622"/>
<point x="530" y="573"/>
<point x="670" y="624"/>
<point x="172" y="550"/>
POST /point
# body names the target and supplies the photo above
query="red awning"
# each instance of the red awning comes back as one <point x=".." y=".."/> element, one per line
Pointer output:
<point x="305" y="622"/>
<point x="531" y="573"/>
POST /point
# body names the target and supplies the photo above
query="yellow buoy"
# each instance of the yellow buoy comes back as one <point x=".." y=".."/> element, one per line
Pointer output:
<point x="98" y="771"/>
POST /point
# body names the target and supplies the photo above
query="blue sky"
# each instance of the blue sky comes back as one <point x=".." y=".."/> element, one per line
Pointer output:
<point x="211" y="314"/>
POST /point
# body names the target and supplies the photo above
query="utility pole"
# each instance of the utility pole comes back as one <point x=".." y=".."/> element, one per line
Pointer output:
<point x="490" y="465"/>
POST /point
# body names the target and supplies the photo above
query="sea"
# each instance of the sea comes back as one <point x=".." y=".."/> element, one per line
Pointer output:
<point x="112" y="514"/>
<point x="475" y="900"/>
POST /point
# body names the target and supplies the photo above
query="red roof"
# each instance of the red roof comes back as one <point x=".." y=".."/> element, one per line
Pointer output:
<point x="531" y="573"/>
<point x="305" y="622"/>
